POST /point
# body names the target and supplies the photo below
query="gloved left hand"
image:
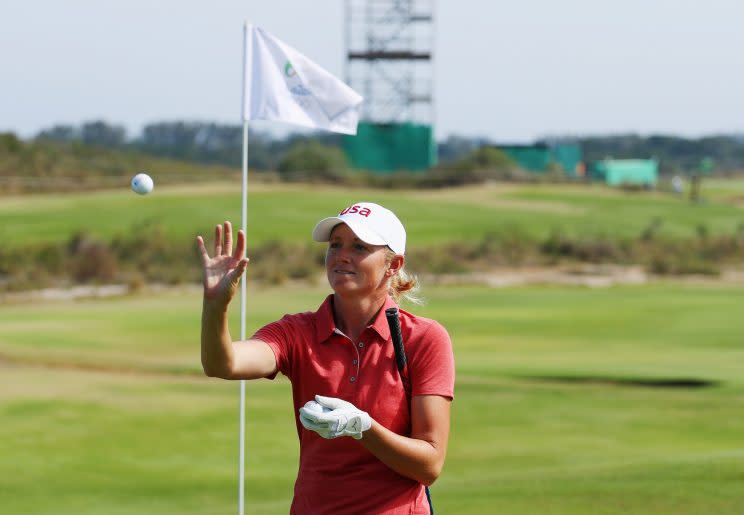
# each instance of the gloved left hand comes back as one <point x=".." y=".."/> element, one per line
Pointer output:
<point x="331" y="417"/>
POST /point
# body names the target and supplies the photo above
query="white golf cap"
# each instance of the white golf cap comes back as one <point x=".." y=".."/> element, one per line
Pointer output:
<point x="370" y="222"/>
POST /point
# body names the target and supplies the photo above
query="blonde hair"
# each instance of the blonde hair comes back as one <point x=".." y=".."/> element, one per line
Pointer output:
<point x="403" y="286"/>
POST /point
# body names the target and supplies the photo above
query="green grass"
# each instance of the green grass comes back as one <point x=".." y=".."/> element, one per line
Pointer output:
<point x="288" y="212"/>
<point x="103" y="410"/>
<point x="722" y="189"/>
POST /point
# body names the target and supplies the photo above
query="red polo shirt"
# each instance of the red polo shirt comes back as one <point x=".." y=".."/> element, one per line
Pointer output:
<point x="340" y="475"/>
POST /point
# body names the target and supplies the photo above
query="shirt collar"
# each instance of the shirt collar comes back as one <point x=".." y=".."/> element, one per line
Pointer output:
<point x="325" y="325"/>
<point x="380" y="324"/>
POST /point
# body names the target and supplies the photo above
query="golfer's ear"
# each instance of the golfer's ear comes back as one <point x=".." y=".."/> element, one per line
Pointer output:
<point x="395" y="265"/>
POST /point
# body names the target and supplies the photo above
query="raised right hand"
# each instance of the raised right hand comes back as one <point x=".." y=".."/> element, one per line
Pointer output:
<point x="222" y="272"/>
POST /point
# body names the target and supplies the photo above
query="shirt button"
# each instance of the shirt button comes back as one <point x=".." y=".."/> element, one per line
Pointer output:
<point x="361" y="344"/>
<point x="353" y="379"/>
<point x="353" y="362"/>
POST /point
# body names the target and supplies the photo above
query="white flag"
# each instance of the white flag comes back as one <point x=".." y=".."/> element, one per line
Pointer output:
<point x="281" y="84"/>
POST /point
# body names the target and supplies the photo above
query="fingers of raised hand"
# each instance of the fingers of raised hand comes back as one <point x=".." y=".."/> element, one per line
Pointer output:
<point x="227" y="241"/>
<point x="239" y="252"/>
<point x="237" y="272"/>
<point x="217" y="240"/>
<point x="223" y="239"/>
<point x="202" y="249"/>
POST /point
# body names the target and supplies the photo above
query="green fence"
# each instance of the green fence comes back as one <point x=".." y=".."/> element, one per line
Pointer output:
<point x="616" y="172"/>
<point x="386" y="148"/>
<point x="539" y="157"/>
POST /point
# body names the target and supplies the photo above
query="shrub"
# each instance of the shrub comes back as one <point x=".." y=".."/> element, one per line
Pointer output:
<point x="9" y="143"/>
<point x="595" y="250"/>
<point x="652" y="229"/>
<point x="483" y="158"/>
<point x="92" y="261"/>
<point x="509" y="246"/>
<point x="311" y="160"/>
<point x="481" y="165"/>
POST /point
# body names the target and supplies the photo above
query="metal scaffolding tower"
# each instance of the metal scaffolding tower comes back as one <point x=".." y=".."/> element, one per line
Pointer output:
<point x="389" y="48"/>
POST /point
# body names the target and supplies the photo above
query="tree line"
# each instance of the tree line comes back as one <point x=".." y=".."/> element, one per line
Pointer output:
<point x="213" y="143"/>
<point x="202" y="142"/>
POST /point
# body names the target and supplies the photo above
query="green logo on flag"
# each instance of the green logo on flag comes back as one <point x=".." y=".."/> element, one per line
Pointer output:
<point x="289" y="71"/>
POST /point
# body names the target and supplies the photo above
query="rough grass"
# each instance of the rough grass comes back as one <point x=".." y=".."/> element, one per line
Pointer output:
<point x="146" y="434"/>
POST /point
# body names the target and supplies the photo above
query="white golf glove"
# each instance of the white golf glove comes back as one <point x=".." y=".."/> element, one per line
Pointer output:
<point x="331" y="418"/>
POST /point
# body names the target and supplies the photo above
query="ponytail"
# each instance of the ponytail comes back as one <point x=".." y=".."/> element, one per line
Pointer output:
<point x="403" y="286"/>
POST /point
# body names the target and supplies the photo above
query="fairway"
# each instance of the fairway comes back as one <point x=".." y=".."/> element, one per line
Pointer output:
<point x="105" y="410"/>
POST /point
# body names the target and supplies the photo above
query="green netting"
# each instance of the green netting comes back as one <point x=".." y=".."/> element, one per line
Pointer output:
<point x="626" y="171"/>
<point x="569" y="157"/>
<point x="537" y="158"/>
<point x="387" y="148"/>
<point x="534" y="158"/>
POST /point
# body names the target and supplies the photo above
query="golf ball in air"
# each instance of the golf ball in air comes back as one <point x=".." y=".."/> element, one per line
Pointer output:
<point x="142" y="184"/>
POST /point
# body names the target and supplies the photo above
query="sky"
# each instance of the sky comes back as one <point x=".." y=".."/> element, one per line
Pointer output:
<point x="507" y="71"/>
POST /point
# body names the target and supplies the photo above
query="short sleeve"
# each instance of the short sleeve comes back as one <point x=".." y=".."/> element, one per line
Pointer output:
<point x="278" y="336"/>
<point x="432" y="363"/>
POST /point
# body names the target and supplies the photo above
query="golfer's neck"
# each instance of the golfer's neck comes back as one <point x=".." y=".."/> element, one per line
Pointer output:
<point x="353" y="315"/>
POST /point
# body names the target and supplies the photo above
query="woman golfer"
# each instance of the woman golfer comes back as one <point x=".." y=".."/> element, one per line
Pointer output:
<point x="371" y="438"/>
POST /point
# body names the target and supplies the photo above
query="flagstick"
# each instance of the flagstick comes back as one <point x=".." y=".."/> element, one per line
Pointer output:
<point x="241" y="485"/>
<point x="255" y="61"/>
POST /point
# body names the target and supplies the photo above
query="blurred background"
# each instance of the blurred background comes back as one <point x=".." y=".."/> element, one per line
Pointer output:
<point x="571" y="177"/>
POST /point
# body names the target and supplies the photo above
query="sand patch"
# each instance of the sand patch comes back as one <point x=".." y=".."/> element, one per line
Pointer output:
<point x="593" y="276"/>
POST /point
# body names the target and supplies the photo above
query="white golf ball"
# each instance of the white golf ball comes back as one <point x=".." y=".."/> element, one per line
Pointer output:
<point x="142" y="184"/>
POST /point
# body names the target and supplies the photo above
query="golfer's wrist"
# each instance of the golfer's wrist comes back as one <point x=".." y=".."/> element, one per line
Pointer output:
<point x="366" y="433"/>
<point x="215" y="307"/>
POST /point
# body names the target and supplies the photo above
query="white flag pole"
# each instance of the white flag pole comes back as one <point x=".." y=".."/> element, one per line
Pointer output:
<point x="241" y="486"/>
<point x="244" y="223"/>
